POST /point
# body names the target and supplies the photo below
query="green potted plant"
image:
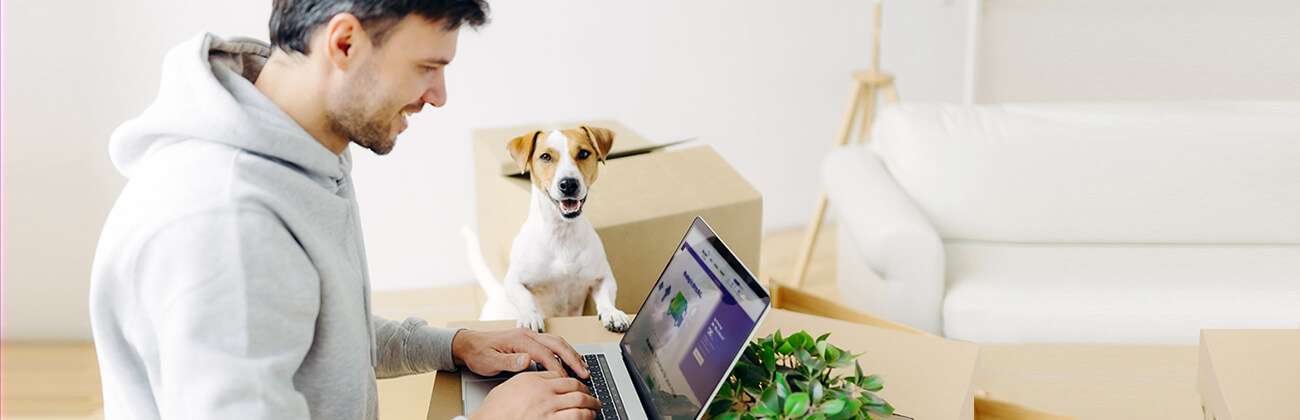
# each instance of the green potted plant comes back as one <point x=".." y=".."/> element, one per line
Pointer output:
<point x="795" y="377"/>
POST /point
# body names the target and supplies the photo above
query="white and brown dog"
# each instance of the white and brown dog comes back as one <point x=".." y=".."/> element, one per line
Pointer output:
<point x="557" y="259"/>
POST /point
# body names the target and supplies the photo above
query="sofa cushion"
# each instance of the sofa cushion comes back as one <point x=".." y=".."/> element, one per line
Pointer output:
<point x="1226" y="172"/>
<point x="1116" y="293"/>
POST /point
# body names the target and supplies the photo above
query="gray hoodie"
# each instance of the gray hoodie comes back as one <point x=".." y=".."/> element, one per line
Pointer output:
<point x="230" y="280"/>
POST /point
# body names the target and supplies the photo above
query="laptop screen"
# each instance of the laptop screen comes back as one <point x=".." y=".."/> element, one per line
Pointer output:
<point x="693" y="326"/>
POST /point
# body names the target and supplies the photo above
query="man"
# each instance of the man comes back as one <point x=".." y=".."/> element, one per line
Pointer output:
<point x="230" y="280"/>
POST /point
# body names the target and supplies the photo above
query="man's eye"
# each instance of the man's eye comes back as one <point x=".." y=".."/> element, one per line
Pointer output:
<point x="545" y="157"/>
<point x="583" y="154"/>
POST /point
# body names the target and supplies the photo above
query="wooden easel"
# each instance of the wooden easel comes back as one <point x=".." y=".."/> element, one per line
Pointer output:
<point x="867" y="87"/>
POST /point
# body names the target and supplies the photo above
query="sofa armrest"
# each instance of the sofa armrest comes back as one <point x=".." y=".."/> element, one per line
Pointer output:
<point x="891" y="236"/>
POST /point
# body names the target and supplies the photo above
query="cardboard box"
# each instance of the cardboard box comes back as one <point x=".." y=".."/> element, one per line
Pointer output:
<point x="641" y="205"/>
<point x="926" y="377"/>
<point x="1250" y="374"/>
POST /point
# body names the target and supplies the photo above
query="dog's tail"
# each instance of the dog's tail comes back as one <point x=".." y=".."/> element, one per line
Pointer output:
<point x="491" y="287"/>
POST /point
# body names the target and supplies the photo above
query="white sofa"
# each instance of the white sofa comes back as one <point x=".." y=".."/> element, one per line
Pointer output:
<point x="1084" y="223"/>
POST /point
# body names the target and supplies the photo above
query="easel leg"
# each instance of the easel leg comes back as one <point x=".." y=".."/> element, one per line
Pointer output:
<point x="868" y="112"/>
<point x="814" y="226"/>
<point x="890" y="92"/>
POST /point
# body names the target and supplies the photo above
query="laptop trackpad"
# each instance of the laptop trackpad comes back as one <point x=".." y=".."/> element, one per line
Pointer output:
<point x="475" y="389"/>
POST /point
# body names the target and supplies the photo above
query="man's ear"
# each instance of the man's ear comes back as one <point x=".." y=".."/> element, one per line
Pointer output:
<point x="342" y="34"/>
<point x="601" y="138"/>
<point x="521" y="149"/>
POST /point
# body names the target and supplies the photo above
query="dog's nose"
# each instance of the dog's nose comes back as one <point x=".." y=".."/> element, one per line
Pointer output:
<point x="568" y="186"/>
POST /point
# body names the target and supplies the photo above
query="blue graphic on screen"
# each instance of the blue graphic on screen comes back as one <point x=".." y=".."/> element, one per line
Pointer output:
<point x="692" y="327"/>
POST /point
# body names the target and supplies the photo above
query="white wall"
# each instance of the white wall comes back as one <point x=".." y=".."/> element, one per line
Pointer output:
<point x="764" y="82"/>
<point x="73" y="70"/>
<point x="1090" y="50"/>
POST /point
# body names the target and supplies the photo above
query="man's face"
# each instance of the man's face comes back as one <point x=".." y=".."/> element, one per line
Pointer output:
<point x="385" y="84"/>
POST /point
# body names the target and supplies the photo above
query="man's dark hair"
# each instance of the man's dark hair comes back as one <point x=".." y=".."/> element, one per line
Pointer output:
<point x="294" y="21"/>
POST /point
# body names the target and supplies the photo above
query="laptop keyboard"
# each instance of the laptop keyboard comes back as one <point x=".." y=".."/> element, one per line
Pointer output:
<point x="602" y="387"/>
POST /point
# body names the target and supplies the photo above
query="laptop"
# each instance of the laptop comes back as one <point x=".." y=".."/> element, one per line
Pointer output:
<point x="682" y="344"/>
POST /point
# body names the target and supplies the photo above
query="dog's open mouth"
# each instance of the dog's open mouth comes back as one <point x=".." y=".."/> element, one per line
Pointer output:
<point x="570" y="207"/>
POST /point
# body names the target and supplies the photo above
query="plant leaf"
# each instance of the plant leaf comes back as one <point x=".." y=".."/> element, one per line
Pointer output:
<point x="801" y="339"/>
<point x="873" y="399"/>
<point x="726" y="391"/>
<point x="719" y="406"/>
<point x="851" y="407"/>
<point x="804" y="357"/>
<point x="872" y="383"/>
<point x="762" y="411"/>
<point x="885" y="409"/>
<point x="832" y="407"/>
<point x="832" y="353"/>
<point x="786" y="348"/>
<point x="770" y="401"/>
<point x="796" y="404"/>
<point x="816" y="390"/>
<point x="769" y="359"/>
<point x="749" y="374"/>
<point x="782" y="387"/>
<point x="730" y="415"/>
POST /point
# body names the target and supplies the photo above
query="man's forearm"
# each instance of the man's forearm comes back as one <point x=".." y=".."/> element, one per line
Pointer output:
<point x="411" y="346"/>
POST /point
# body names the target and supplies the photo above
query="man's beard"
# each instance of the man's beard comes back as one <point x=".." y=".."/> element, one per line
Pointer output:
<point x="356" y="118"/>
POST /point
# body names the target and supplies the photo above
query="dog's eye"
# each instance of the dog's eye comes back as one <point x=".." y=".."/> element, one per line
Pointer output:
<point x="545" y="157"/>
<point x="583" y="154"/>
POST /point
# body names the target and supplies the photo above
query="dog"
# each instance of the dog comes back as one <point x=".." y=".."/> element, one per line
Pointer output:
<point x="556" y="260"/>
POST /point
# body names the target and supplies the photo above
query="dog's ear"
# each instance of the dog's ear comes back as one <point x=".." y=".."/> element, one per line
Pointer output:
<point x="521" y="149"/>
<point x="601" y="138"/>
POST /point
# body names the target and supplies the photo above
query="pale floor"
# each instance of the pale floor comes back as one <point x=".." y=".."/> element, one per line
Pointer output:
<point x="61" y="380"/>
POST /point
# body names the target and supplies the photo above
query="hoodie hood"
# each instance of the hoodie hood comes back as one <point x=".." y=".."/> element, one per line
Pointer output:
<point x="207" y="94"/>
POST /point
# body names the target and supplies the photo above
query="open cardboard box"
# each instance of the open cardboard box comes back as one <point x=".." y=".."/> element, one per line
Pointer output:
<point x="645" y="198"/>
<point x="791" y="299"/>
<point x="926" y="377"/>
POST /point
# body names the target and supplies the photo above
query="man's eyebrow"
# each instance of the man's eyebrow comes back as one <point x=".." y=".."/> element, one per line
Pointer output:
<point x="439" y="61"/>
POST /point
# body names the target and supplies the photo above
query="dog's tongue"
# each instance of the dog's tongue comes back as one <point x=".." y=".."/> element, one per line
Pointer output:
<point x="569" y="206"/>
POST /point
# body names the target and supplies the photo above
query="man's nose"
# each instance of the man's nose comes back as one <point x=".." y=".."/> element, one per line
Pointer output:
<point x="436" y="97"/>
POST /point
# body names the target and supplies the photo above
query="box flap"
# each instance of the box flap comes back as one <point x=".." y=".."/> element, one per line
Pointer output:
<point x="1250" y="374"/>
<point x="626" y="141"/>
<point x="673" y="182"/>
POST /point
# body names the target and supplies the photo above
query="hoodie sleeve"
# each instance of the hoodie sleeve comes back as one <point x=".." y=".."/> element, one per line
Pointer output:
<point x="233" y="300"/>
<point x="411" y="346"/>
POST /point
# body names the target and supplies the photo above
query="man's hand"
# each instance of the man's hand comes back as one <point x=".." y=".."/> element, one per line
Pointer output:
<point x="538" y="395"/>
<point x="488" y="353"/>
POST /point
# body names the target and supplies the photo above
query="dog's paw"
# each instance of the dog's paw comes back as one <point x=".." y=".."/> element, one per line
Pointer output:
<point x="614" y="320"/>
<point x="533" y="322"/>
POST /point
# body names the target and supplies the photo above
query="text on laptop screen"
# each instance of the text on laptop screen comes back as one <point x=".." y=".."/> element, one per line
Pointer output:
<point x="693" y="325"/>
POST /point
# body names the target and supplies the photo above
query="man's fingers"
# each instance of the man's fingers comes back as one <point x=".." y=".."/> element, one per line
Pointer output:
<point x="514" y="362"/>
<point x="566" y="353"/>
<point x="567" y="385"/>
<point x="541" y="354"/>
<point x="547" y="374"/>
<point x="576" y="400"/>
<point x="573" y="414"/>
